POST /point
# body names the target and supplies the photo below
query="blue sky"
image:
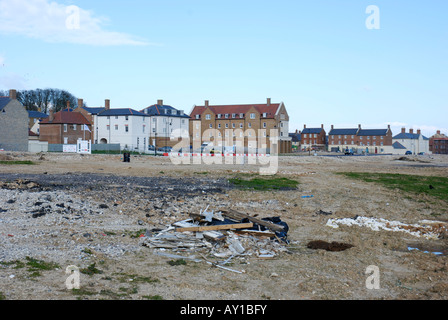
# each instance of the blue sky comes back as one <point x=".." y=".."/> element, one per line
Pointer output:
<point x="318" y="57"/>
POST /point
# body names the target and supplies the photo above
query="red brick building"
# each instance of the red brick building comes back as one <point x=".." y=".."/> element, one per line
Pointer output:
<point x="438" y="143"/>
<point x="313" y="138"/>
<point x="65" y="127"/>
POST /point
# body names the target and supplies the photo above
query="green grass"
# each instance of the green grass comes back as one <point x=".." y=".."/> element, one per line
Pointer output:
<point x="17" y="162"/>
<point x="264" y="184"/>
<point x="416" y="185"/>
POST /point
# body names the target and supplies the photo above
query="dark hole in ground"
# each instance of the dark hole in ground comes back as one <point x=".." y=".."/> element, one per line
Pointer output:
<point x="329" y="246"/>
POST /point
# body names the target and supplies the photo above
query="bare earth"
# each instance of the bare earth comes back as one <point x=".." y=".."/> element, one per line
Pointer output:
<point x="150" y="193"/>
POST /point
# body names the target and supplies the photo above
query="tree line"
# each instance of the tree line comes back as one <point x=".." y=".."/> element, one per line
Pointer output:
<point x="45" y="99"/>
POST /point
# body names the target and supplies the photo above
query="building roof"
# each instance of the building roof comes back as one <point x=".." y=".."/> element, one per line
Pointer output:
<point x="120" y="112"/>
<point x="3" y="102"/>
<point x="296" y="136"/>
<point x="411" y="136"/>
<point x="238" y="109"/>
<point x="312" y="130"/>
<point x="93" y="110"/>
<point x="398" y="145"/>
<point x="372" y="132"/>
<point x="163" y="110"/>
<point x="66" y="117"/>
<point x="37" y="114"/>
<point x="343" y="131"/>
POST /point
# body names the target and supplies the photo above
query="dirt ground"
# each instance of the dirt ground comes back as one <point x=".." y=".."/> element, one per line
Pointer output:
<point x="116" y="201"/>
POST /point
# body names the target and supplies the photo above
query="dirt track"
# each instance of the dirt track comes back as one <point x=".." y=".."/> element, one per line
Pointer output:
<point x="104" y="204"/>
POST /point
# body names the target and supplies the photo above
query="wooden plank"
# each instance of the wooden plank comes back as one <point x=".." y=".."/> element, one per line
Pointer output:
<point x="256" y="233"/>
<point x="217" y="227"/>
<point x="239" y="216"/>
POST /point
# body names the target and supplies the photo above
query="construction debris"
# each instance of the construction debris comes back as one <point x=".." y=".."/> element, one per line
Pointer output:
<point x="427" y="229"/>
<point x="225" y="234"/>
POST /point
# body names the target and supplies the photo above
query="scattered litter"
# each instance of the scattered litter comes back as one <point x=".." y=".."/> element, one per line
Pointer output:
<point x="325" y="213"/>
<point x="310" y="196"/>
<point x="438" y="253"/>
<point x="427" y="229"/>
<point x="225" y="235"/>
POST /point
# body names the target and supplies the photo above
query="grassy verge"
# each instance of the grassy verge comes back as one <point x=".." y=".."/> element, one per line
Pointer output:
<point x="436" y="187"/>
<point x="265" y="183"/>
<point x="12" y="162"/>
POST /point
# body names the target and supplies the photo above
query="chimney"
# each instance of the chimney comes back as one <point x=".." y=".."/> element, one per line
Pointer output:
<point x="411" y="130"/>
<point x="304" y="126"/>
<point x="68" y="105"/>
<point x="322" y="126"/>
<point x="160" y="102"/>
<point x="12" y="94"/>
<point x="419" y="131"/>
<point x="80" y="104"/>
<point x="332" y="127"/>
<point x="107" y="104"/>
<point x="403" y="130"/>
<point x="206" y="103"/>
<point x="269" y="101"/>
<point x="438" y="131"/>
<point x="51" y="116"/>
<point x="297" y="130"/>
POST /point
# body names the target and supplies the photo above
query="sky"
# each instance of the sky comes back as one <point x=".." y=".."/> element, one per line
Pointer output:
<point x="331" y="62"/>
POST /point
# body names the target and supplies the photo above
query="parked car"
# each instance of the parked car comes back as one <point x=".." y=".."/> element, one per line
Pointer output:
<point x="165" y="149"/>
<point x="151" y="147"/>
<point x="348" y="152"/>
<point x="408" y="152"/>
<point x="421" y="153"/>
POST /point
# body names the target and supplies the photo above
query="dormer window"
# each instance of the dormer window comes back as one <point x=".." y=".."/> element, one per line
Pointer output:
<point x="227" y="115"/>
<point x="265" y="114"/>
<point x="197" y="116"/>
<point x="241" y="115"/>
<point x="233" y="115"/>
<point x="219" y="116"/>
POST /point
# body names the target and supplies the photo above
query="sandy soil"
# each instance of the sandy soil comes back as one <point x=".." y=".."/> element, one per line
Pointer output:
<point x="151" y="193"/>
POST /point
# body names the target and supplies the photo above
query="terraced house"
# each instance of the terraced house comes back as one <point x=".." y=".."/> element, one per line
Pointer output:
<point x="360" y="140"/>
<point x="252" y="126"/>
<point x="13" y="124"/>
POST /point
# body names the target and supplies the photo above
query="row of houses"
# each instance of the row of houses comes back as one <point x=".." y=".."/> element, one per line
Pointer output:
<point x="357" y="140"/>
<point x="254" y="126"/>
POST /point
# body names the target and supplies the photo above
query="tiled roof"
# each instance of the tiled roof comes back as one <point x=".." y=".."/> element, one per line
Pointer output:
<point x="270" y="110"/>
<point x="37" y="114"/>
<point x="312" y="130"/>
<point x="163" y="110"/>
<point x="3" y="102"/>
<point x="93" y="110"/>
<point x="121" y="112"/>
<point x="66" y="116"/>
<point x="372" y="132"/>
<point x="398" y="145"/>
<point x="296" y="137"/>
<point x="408" y="135"/>
<point x="343" y="131"/>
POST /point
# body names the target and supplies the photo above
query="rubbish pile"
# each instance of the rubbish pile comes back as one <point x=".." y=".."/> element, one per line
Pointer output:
<point x="225" y="234"/>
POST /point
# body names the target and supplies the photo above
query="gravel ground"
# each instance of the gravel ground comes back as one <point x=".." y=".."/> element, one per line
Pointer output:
<point x="90" y="211"/>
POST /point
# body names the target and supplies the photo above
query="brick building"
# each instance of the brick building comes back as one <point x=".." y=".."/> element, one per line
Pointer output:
<point x="65" y="127"/>
<point x="14" y="121"/>
<point x="438" y="143"/>
<point x="247" y="125"/>
<point x="360" y="140"/>
<point x="313" y="138"/>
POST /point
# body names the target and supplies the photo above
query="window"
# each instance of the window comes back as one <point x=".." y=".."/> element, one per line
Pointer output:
<point x="304" y="135"/>
<point x="265" y="114"/>
<point x="315" y="135"/>
<point x="219" y="125"/>
<point x="207" y="117"/>
<point x="210" y="126"/>
<point x="197" y="116"/>
<point x="197" y="125"/>
<point x="249" y="125"/>
<point x="233" y="125"/>
<point x="219" y="116"/>
<point x="65" y="140"/>
<point x="143" y="128"/>
<point x="154" y="120"/>
<point x="65" y="127"/>
<point x="227" y="115"/>
<point x="126" y="128"/>
<point x="116" y="117"/>
<point x="264" y="124"/>
<point x="153" y="130"/>
<point x="108" y="127"/>
<point x="183" y="121"/>
<point x="241" y="125"/>
<point x="252" y="115"/>
<point x="233" y="115"/>
<point x="126" y="118"/>
<point x="374" y="138"/>
<point x="116" y="127"/>
<point x="227" y="125"/>
<point x="74" y="127"/>
<point x="241" y="115"/>
<point x="282" y="116"/>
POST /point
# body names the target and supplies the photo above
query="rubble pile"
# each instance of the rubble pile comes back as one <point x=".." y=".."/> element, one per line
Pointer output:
<point x="223" y="235"/>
